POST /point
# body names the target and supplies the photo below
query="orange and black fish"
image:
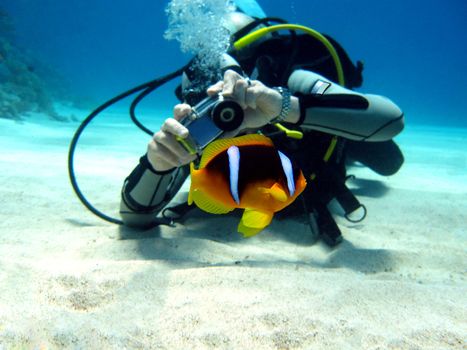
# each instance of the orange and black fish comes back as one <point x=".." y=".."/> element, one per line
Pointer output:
<point x="245" y="172"/>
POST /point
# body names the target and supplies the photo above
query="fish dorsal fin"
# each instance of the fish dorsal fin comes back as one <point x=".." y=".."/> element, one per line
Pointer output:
<point x="254" y="221"/>
<point x="207" y="204"/>
<point x="217" y="147"/>
<point x="276" y="192"/>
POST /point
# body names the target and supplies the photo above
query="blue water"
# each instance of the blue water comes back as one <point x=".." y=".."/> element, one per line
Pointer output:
<point x="414" y="51"/>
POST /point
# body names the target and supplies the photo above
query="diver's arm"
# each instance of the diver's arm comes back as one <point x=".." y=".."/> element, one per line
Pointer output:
<point x="331" y="108"/>
<point x="159" y="175"/>
<point x="146" y="191"/>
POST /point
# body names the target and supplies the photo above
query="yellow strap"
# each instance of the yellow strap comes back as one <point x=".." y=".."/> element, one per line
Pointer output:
<point x="330" y="149"/>
<point x="328" y="154"/>
<point x="186" y="145"/>
<point x="250" y="38"/>
<point x="294" y="134"/>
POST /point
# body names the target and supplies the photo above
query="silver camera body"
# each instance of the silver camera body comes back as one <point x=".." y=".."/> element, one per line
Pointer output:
<point x="208" y="120"/>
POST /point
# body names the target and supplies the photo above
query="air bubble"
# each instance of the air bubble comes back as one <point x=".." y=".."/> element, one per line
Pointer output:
<point x="198" y="25"/>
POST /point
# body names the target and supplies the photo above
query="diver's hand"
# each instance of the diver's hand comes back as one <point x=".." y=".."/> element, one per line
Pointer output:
<point x="164" y="151"/>
<point x="260" y="103"/>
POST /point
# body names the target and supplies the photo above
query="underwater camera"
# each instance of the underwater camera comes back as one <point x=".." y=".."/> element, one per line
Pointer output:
<point x="208" y="121"/>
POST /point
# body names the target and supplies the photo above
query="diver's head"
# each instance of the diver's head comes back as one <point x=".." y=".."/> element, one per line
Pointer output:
<point x="239" y="24"/>
<point x="195" y="81"/>
<point x="197" y="78"/>
<point x="235" y="21"/>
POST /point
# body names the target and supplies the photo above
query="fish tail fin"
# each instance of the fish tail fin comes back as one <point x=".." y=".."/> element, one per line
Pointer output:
<point x="254" y="221"/>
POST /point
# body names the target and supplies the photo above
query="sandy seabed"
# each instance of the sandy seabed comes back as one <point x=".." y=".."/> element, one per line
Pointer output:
<point x="69" y="280"/>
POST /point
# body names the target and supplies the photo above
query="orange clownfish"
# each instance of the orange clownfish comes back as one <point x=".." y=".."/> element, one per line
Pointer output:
<point x="245" y="172"/>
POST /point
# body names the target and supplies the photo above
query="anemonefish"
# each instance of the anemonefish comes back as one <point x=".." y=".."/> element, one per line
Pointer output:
<point x="245" y="172"/>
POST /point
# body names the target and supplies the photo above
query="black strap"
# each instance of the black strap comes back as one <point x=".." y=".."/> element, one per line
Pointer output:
<point x="334" y="101"/>
<point x="328" y="229"/>
<point x="346" y="198"/>
<point x="179" y="210"/>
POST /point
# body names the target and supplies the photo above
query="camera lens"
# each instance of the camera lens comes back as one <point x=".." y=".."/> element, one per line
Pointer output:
<point x="227" y="115"/>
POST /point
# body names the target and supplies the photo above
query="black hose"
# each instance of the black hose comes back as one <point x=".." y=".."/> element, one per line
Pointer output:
<point x="147" y="87"/>
<point x="133" y="106"/>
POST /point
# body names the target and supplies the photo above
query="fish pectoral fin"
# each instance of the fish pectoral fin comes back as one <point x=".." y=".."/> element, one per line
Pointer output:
<point x="253" y="221"/>
<point x="276" y="192"/>
<point x="207" y="204"/>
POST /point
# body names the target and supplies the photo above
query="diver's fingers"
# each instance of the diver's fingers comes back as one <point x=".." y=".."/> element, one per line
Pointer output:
<point x="251" y="96"/>
<point x="164" y="151"/>
<point x="162" y="158"/>
<point x="216" y="88"/>
<point x="181" y="110"/>
<point x="230" y="79"/>
<point x="174" y="127"/>
<point x="240" y="91"/>
<point x="170" y="143"/>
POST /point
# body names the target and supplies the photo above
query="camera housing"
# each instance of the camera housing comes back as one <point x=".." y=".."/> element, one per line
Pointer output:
<point x="209" y="120"/>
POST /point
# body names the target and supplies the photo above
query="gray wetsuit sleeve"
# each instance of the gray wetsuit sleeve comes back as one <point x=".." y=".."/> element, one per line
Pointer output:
<point x="145" y="192"/>
<point x="328" y="107"/>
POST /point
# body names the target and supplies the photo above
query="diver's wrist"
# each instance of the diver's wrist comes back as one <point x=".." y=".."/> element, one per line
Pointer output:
<point x="156" y="169"/>
<point x="294" y="113"/>
<point x="290" y="107"/>
<point x="285" y="105"/>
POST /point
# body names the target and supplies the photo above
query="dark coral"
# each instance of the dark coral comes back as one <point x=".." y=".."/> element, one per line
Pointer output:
<point x="22" y="88"/>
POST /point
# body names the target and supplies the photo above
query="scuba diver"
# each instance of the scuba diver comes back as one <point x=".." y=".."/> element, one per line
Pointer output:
<point x="283" y="84"/>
